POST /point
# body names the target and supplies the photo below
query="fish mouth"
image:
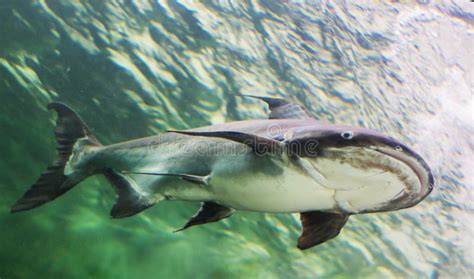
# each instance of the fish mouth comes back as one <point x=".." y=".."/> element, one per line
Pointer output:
<point x="416" y="164"/>
<point x="368" y="178"/>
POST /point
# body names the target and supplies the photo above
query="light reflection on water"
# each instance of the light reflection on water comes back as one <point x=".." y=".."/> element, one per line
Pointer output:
<point x="138" y="68"/>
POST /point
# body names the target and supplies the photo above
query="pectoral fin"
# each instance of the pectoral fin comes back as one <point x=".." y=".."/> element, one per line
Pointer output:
<point x="209" y="212"/>
<point x="259" y="145"/>
<point x="319" y="227"/>
<point x="188" y="177"/>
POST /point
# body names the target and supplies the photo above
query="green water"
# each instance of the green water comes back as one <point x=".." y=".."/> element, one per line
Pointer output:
<point x="136" y="68"/>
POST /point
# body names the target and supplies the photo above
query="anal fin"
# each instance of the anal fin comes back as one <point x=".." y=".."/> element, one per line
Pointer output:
<point x="319" y="227"/>
<point x="209" y="212"/>
<point x="130" y="200"/>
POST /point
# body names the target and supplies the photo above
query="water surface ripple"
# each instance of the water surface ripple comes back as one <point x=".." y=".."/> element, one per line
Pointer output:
<point x="136" y="68"/>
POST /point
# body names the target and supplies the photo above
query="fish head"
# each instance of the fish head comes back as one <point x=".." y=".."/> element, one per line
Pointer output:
<point x="369" y="171"/>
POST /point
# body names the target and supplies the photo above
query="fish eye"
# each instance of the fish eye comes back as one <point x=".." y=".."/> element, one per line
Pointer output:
<point x="347" y="135"/>
<point x="398" y="148"/>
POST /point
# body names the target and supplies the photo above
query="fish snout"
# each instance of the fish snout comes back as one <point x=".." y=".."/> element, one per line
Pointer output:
<point x="415" y="162"/>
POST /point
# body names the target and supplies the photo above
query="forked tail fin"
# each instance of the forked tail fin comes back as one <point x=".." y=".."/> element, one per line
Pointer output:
<point x="53" y="182"/>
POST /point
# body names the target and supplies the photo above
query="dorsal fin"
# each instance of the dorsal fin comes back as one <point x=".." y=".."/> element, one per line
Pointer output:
<point x="209" y="212"/>
<point x="319" y="227"/>
<point x="283" y="109"/>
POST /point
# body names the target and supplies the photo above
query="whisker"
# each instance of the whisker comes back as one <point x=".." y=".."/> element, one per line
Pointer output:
<point x="375" y="174"/>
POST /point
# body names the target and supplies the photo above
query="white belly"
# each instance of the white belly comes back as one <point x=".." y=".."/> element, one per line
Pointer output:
<point x="284" y="189"/>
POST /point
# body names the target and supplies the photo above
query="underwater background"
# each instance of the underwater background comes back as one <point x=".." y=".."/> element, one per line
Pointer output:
<point x="136" y="68"/>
